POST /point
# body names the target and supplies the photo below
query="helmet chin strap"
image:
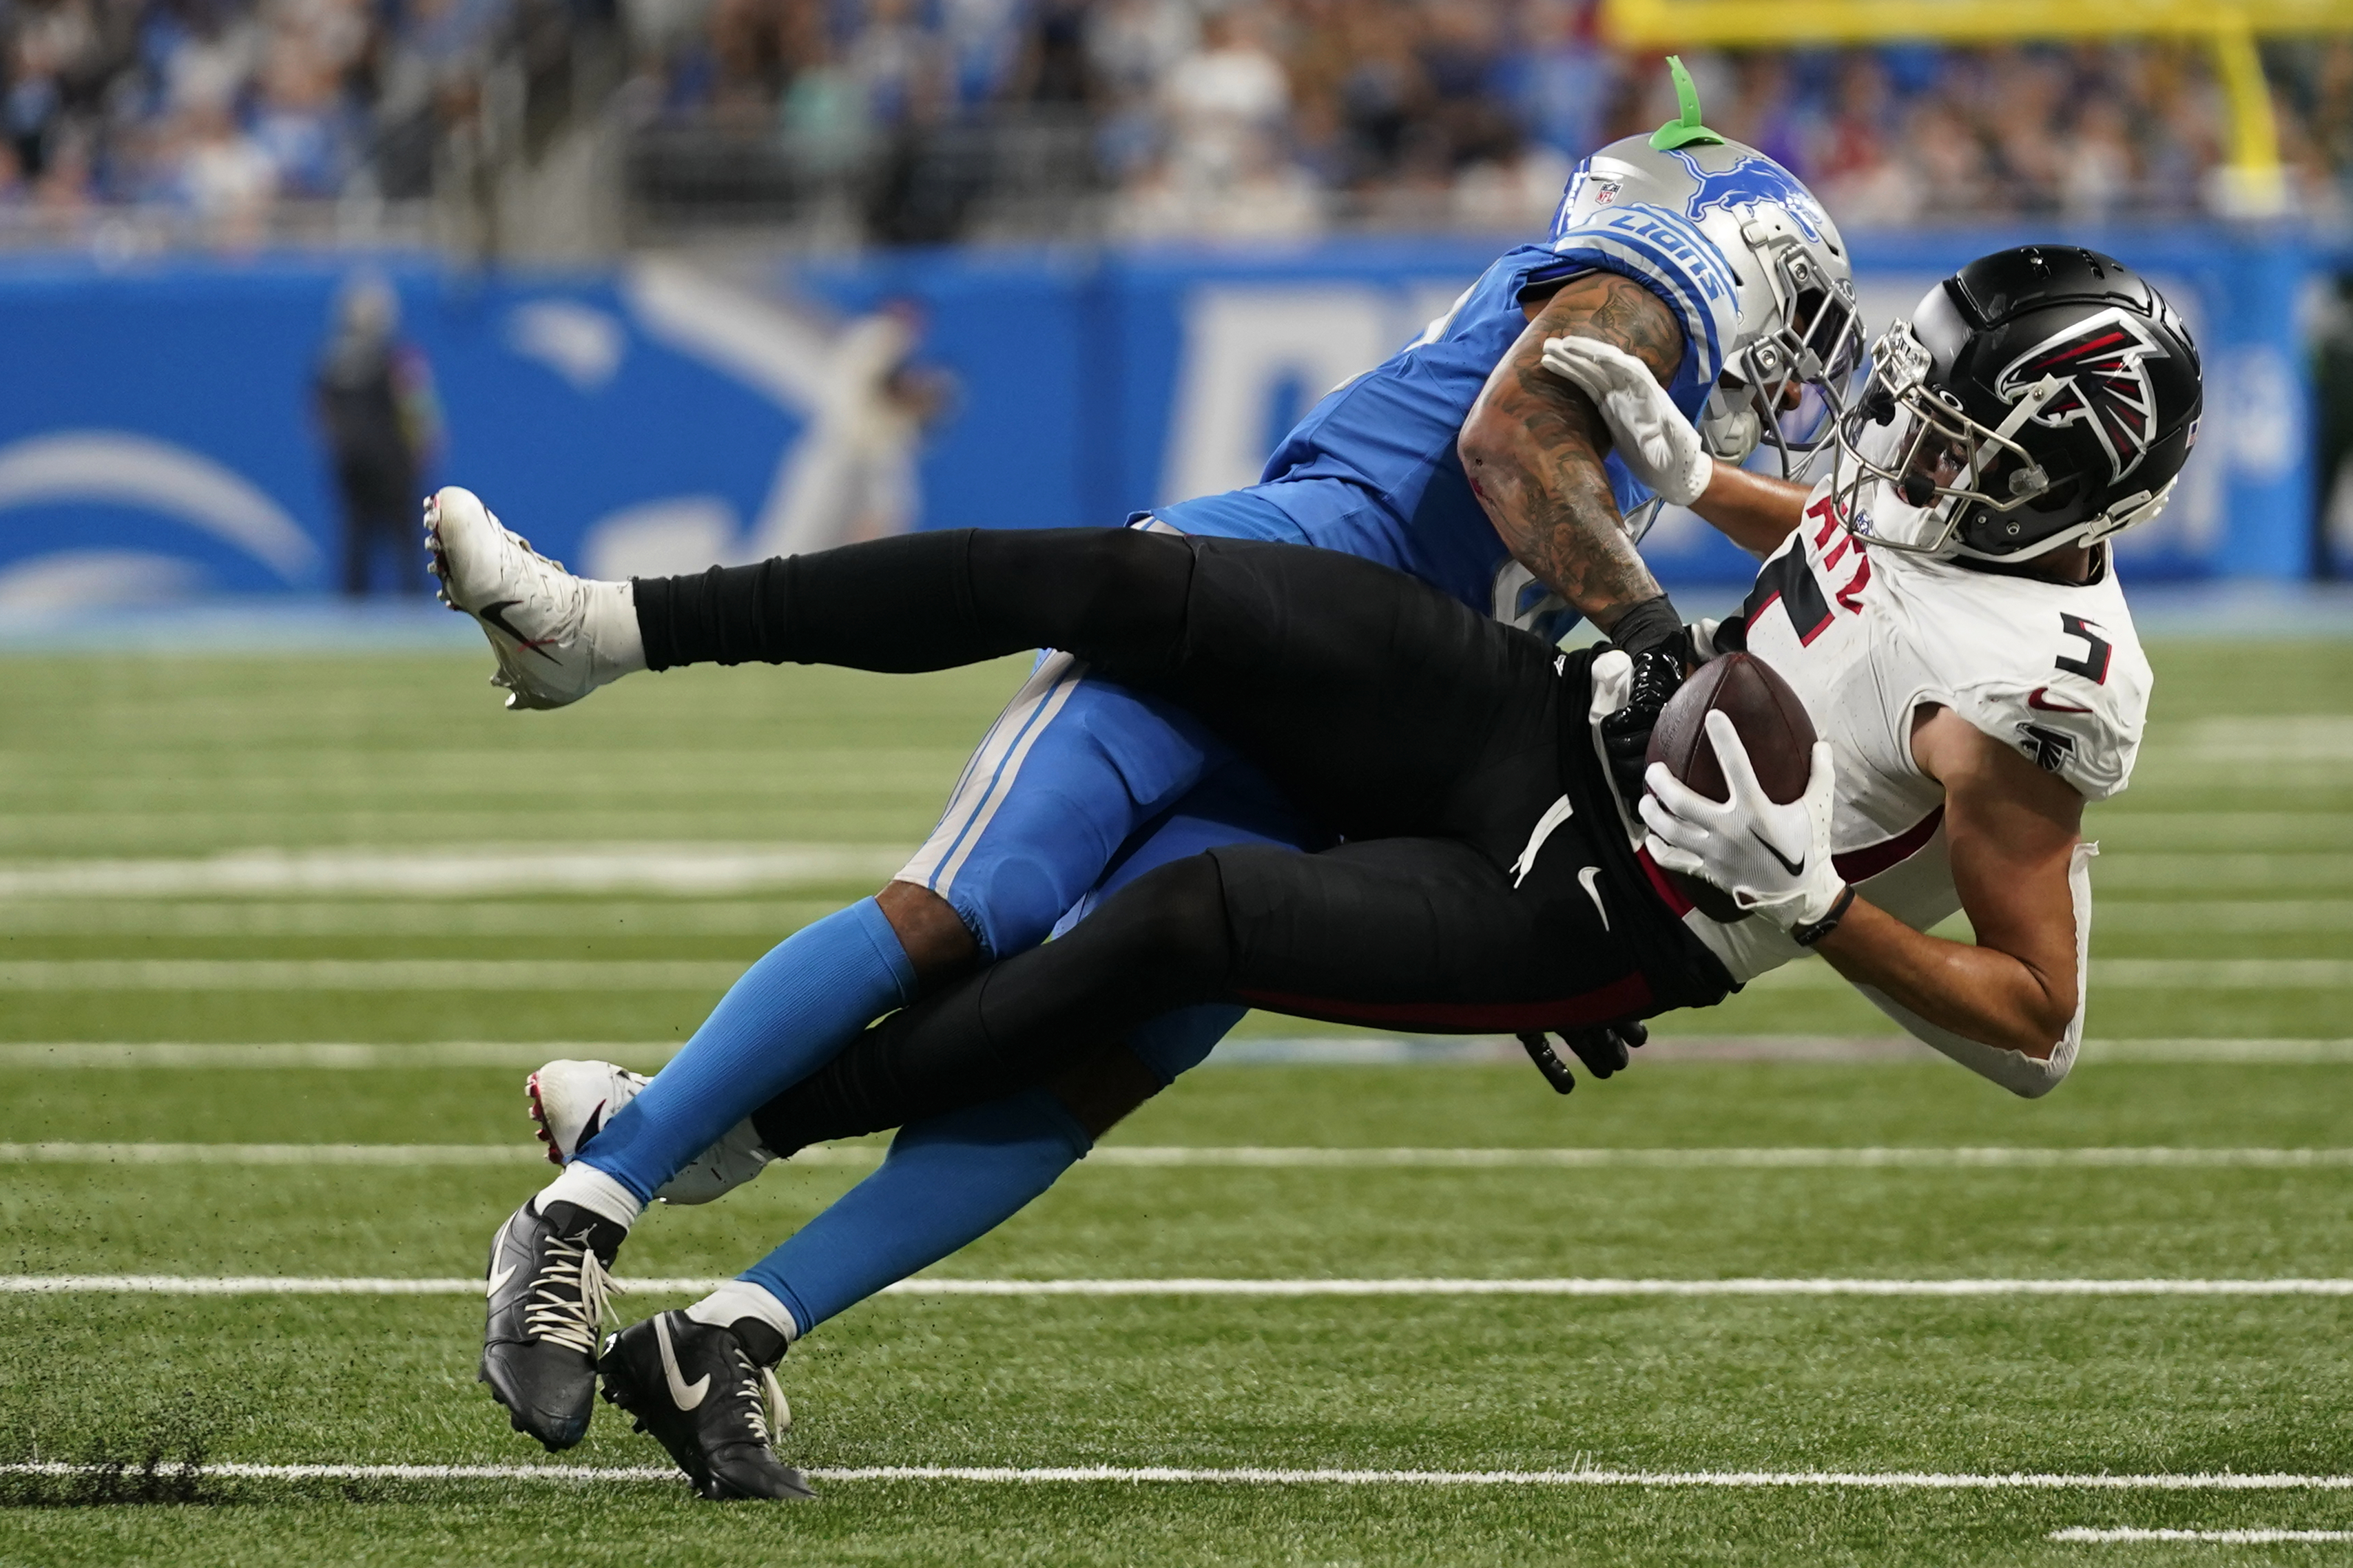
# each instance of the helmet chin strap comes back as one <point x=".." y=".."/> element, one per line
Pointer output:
<point x="1731" y="431"/>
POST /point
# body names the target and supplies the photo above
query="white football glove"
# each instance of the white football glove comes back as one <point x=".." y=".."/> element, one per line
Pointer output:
<point x="1774" y="860"/>
<point x="1656" y="443"/>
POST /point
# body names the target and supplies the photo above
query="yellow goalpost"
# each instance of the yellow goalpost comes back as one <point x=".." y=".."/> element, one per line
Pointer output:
<point x="2253" y="176"/>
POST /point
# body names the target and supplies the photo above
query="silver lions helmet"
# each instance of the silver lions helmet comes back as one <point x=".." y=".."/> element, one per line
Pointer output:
<point x="1779" y="287"/>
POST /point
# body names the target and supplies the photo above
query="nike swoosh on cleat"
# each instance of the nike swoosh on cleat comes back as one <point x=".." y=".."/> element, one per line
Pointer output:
<point x="684" y="1394"/>
<point x="1795" y="868"/>
<point x="497" y="1279"/>
<point x="2034" y="699"/>
<point x="496" y="616"/>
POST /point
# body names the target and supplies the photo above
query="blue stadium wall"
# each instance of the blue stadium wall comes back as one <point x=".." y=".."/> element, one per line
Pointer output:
<point x="156" y="439"/>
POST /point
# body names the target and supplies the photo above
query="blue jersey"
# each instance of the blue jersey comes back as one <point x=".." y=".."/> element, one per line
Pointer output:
<point x="1372" y="469"/>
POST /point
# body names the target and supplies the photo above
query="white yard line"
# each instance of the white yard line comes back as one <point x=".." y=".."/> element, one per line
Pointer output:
<point x="2136" y="973"/>
<point x="1892" y="1480"/>
<point x="2270" y="916"/>
<point x="342" y="1056"/>
<point x="2214" y="1537"/>
<point x="515" y="1153"/>
<point x="1372" y="1049"/>
<point x="1987" y="1157"/>
<point x="667" y="918"/>
<point x="675" y="868"/>
<point x="291" y="1285"/>
<point x="101" y="974"/>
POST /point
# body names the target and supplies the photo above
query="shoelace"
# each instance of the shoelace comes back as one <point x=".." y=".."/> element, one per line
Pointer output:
<point x="570" y="1321"/>
<point x="765" y="1412"/>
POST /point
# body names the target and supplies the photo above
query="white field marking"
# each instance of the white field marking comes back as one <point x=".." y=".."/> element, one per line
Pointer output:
<point x="1082" y="1475"/>
<point x="1259" y="1157"/>
<point x="295" y="1285"/>
<point x="334" y="1055"/>
<point x="369" y="974"/>
<point x="277" y="917"/>
<point x="2215" y="1537"/>
<point x="2236" y="916"/>
<point x="2137" y="973"/>
<point x="2204" y="875"/>
<point x="391" y="974"/>
<point x="698" y="917"/>
<point x="520" y="1153"/>
<point x="2260" y="1050"/>
<point x="1364" y="1049"/>
<point x="457" y="873"/>
<point x="2277" y="738"/>
<point x="2123" y="830"/>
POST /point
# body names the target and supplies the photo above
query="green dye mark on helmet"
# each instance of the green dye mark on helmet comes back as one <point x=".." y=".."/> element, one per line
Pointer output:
<point x="1684" y="129"/>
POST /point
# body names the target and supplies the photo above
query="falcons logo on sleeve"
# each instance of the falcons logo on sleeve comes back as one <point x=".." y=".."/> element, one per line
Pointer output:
<point x="2104" y="362"/>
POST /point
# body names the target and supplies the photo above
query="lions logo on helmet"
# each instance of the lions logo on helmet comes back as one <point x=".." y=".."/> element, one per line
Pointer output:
<point x="1754" y="180"/>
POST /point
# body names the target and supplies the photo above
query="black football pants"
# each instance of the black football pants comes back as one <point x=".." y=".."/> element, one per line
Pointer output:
<point x="1430" y="738"/>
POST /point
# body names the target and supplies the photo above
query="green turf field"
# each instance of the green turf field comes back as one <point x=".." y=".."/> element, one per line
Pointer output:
<point x="263" y="865"/>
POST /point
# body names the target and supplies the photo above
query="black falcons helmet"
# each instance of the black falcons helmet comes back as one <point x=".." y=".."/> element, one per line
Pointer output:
<point x="2039" y="397"/>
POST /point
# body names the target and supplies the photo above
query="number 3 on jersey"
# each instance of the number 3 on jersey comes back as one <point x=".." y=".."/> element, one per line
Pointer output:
<point x="1789" y="578"/>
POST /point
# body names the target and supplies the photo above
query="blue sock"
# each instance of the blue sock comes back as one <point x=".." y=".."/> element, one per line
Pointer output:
<point x="950" y="1180"/>
<point x="789" y="1015"/>
<point x="947" y="1181"/>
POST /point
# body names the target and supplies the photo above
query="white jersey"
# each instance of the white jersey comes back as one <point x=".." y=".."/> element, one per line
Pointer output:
<point x="1868" y="639"/>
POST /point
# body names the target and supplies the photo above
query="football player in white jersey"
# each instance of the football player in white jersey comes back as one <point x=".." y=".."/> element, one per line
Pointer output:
<point x="1947" y="605"/>
<point x="1943" y="602"/>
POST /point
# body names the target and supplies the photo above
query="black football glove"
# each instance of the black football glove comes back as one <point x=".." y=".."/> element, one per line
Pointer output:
<point x="1660" y="647"/>
<point x="1603" y="1050"/>
<point x="1626" y="734"/>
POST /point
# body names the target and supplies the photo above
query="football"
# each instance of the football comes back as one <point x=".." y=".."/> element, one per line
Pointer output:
<point x="1773" y="725"/>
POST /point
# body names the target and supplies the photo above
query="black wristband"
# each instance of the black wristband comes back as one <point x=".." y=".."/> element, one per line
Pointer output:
<point x="1652" y="624"/>
<point x="1807" y="935"/>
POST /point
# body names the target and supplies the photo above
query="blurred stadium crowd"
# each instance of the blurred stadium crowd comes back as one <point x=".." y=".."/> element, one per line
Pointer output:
<point x="932" y="120"/>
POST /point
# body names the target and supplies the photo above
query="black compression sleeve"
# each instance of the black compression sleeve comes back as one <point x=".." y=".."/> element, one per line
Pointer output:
<point x="929" y="601"/>
<point x="1652" y="624"/>
<point x="890" y="604"/>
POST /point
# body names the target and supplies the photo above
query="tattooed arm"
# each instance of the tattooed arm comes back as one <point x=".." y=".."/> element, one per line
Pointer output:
<point x="1534" y="445"/>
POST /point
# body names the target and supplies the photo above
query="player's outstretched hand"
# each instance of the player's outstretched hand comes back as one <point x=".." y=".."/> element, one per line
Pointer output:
<point x="1656" y="443"/>
<point x="1603" y="1050"/>
<point x="1774" y="859"/>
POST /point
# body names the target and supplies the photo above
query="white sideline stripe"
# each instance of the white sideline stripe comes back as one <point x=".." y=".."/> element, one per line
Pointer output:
<point x="333" y="1055"/>
<point x="1246" y="1156"/>
<point x="1886" y="1480"/>
<point x="697" y="974"/>
<point x="1375" y="1050"/>
<point x="368" y="975"/>
<point x="1983" y="1157"/>
<point x="2134" y="974"/>
<point x="457" y="873"/>
<point x="516" y="1153"/>
<point x="2216" y="1537"/>
<point x="294" y="1285"/>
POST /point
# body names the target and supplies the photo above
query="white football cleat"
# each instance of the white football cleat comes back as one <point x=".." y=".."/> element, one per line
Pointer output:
<point x="572" y="1101"/>
<point x="558" y="636"/>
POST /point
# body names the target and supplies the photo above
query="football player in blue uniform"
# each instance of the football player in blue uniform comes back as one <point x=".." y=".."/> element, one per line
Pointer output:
<point x="1460" y="461"/>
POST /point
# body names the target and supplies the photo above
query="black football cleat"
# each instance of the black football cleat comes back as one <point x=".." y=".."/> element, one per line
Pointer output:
<point x="547" y="1292"/>
<point x="695" y="1390"/>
